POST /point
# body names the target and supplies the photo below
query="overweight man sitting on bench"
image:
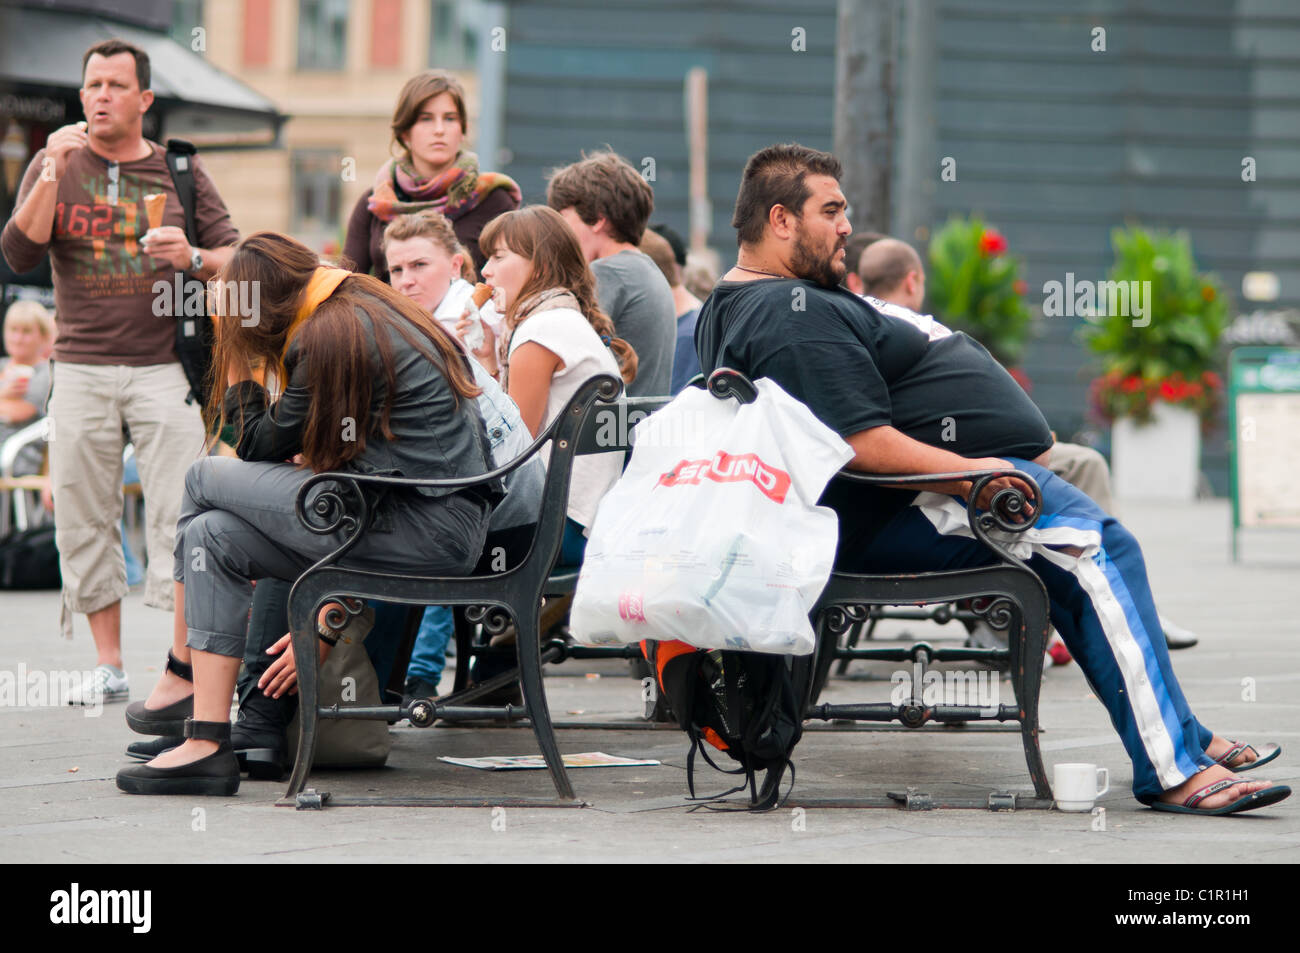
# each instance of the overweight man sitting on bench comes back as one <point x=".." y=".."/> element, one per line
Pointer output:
<point x="909" y="404"/>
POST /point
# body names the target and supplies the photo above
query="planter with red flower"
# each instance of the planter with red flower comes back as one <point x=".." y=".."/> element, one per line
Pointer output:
<point x="973" y="285"/>
<point x="1158" y="387"/>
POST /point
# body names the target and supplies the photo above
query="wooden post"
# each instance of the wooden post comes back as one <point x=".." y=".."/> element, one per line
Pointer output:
<point x="864" y="109"/>
<point x="918" y="163"/>
<point x="697" y="141"/>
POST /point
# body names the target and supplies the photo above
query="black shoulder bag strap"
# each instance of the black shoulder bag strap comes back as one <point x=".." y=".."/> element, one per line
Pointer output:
<point x="180" y="163"/>
<point x="194" y="333"/>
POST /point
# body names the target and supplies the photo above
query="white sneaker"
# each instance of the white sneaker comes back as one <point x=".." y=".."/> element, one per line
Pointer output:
<point x="1176" y="637"/>
<point x="104" y="684"/>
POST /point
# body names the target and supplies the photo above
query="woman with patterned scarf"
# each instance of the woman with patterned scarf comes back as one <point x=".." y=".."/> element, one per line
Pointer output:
<point x="429" y="127"/>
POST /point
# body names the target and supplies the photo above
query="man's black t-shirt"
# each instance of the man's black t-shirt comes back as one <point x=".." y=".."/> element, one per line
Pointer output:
<point x="856" y="368"/>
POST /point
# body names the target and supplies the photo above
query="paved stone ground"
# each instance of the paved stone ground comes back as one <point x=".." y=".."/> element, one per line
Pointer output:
<point x="58" y="802"/>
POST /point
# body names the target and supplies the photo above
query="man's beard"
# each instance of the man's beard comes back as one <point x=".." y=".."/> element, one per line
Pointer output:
<point x="811" y="263"/>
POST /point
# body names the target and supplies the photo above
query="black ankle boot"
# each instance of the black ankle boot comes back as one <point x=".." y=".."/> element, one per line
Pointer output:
<point x="258" y="735"/>
<point x="169" y="720"/>
<point x="215" y="774"/>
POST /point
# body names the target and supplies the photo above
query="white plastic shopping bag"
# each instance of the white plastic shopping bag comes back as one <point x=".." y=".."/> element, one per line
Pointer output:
<point x="712" y="535"/>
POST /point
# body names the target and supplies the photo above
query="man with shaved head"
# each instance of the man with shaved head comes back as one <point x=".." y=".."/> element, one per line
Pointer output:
<point x="891" y="271"/>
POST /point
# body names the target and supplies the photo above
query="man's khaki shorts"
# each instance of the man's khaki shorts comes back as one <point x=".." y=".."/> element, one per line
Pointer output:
<point x="89" y="404"/>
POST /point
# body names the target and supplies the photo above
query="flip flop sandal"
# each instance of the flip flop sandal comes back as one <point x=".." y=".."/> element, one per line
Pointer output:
<point x="1262" y="756"/>
<point x="1277" y="792"/>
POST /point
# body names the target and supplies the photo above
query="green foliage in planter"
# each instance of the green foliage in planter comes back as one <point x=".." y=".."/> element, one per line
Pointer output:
<point x="1188" y="311"/>
<point x="973" y="285"/>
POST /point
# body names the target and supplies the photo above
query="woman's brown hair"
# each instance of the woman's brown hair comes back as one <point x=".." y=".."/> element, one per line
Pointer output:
<point x="433" y="225"/>
<point x="541" y="235"/>
<point x="334" y="342"/>
<point x="418" y="90"/>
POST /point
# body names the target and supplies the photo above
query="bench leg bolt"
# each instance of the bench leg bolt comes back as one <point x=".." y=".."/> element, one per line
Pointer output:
<point x="421" y="714"/>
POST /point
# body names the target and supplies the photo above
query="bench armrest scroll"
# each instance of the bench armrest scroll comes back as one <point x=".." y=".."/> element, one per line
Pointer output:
<point x="1009" y="510"/>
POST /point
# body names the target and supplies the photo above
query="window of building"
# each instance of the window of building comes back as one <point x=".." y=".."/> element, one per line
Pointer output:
<point x="317" y="196"/>
<point x="322" y="34"/>
<point x="454" y="29"/>
<point x="257" y="33"/>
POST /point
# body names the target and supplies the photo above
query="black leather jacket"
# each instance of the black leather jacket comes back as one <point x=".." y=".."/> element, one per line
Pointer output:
<point x="433" y="436"/>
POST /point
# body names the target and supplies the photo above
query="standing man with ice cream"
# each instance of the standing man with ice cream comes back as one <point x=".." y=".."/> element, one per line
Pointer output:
<point x="100" y="201"/>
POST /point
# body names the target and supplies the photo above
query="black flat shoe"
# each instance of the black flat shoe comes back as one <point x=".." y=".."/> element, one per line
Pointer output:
<point x="260" y="762"/>
<point x="148" y="750"/>
<point x="217" y="774"/>
<point x="164" y="721"/>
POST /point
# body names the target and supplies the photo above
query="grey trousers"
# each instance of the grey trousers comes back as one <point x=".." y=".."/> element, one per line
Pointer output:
<point x="238" y="524"/>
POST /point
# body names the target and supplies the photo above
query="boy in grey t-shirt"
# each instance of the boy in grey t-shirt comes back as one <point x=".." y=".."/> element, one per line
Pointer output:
<point x="607" y="203"/>
<point x="633" y="292"/>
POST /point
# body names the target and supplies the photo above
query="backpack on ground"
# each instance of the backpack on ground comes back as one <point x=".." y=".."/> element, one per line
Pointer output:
<point x="740" y="703"/>
<point x="30" y="560"/>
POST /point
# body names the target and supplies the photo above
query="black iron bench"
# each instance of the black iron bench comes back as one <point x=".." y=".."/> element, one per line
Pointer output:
<point x="1008" y="593"/>
<point x="333" y="502"/>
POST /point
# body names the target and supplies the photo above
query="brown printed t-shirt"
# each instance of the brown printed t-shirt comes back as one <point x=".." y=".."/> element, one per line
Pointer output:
<point x="103" y="283"/>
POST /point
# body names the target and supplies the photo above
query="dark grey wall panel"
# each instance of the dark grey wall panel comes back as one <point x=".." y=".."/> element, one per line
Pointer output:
<point x="1055" y="144"/>
<point x="583" y="74"/>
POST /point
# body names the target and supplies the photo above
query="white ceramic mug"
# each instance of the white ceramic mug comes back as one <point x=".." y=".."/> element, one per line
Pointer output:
<point x="1077" y="786"/>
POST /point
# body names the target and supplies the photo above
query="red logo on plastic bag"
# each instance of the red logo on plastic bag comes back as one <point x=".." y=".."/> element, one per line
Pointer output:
<point x="631" y="607"/>
<point x="731" y="468"/>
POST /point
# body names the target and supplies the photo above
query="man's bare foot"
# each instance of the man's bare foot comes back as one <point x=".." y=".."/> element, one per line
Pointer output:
<point x="1218" y="747"/>
<point x="169" y="689"/>
<point x="1205" y="778"/>
<point x="194" y="749"/>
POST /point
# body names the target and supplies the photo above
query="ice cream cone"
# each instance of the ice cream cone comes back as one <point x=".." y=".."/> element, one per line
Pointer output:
<point x="155" y="204"/>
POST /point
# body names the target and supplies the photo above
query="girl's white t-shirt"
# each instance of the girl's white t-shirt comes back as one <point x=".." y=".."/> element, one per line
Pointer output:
<point x="569" y="335"/>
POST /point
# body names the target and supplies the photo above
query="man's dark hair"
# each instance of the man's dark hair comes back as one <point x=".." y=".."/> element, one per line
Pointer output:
<point x="776" y="176"/>
<point x="674" y="241"/>
<point x="604" y="185"/>
<point x="112" y="48"/>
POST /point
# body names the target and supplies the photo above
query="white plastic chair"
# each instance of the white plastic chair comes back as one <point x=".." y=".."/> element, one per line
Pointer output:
<point x="22" y="505"/>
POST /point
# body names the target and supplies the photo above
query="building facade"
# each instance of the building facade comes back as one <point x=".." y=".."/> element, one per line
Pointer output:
<point x="335" y="68"/>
